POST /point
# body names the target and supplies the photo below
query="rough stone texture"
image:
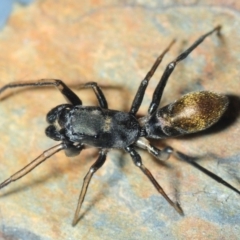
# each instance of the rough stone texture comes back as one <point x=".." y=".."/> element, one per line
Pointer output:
<point x="115" y="44"/>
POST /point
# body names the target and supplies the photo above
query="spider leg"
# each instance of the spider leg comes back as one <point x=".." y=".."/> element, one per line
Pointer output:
<point x="73" y="150"/>
<point x="157" y="95"/>
<point x="28" y="168"/>
<point x="100" y="161"/>
<point x="188" y="159"/>
<point x="141" y="90"/>
<point x="59" y="84"/>
<point x="138" y="162"/>
<point x="163" y="154"/>
<point x="98" y="92"/>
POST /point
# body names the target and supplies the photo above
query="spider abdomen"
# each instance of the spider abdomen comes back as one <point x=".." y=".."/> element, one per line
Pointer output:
<point x="191" y="113"/>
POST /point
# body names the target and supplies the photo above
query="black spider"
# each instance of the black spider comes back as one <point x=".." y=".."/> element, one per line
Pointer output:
<point x="76" y="125"/>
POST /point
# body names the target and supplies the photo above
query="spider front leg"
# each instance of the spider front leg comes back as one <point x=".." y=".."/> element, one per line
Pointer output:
<point x="45" y="155"/>
<point x="100" y="161"/>
<point x="138" y="162"/>
<point x="98" y="92"/>
<point x="59" y="84"/>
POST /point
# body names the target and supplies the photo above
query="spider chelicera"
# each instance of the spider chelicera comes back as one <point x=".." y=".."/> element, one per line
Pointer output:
<point x="76" y="126"/>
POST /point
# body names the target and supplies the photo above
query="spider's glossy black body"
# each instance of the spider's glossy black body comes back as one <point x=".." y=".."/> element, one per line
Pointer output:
<point x="77" y="126"/>
<point x="95" y="126"/>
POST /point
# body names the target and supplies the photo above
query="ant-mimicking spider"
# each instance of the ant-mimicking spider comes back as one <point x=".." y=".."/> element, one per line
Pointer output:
<point x="76" y="125"/>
